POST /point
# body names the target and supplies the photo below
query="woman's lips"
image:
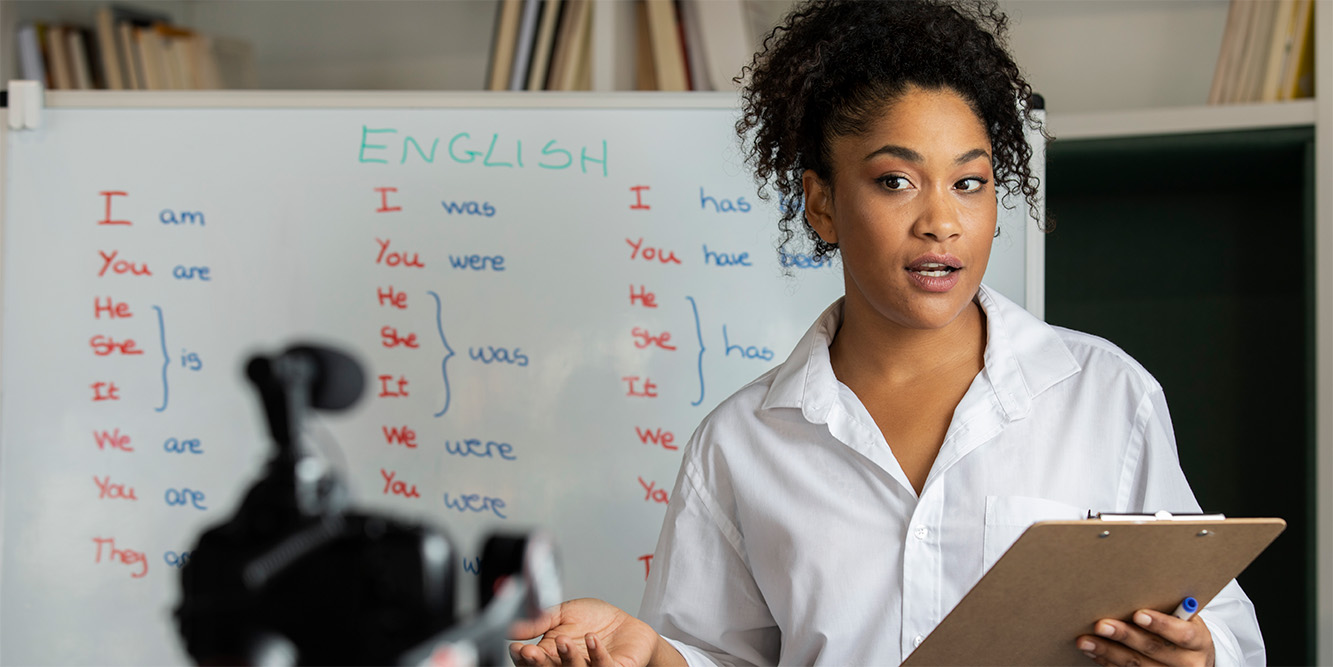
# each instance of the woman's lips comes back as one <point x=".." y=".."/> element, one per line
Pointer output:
<point x="935" y="273"/>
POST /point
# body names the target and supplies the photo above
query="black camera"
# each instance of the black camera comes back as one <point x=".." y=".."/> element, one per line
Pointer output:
<point x="295" y="577"/>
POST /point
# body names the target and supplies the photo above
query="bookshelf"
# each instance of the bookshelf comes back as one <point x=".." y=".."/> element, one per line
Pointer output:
<point x="1098" y="92"/>
<point x="1323" y="321"/>
<point x="1182" y="120"/>
<point x="1218" y="186"/>
<point x="1159" y="242"/>
<point x="367" y="44"/>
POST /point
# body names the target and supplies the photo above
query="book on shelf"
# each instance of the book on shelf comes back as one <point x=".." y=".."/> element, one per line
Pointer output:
<point x="60" y="73"/>
<point x="527" y="35"/>
<point x="1256" y="50"/>
<point x="674" y="45"/>
<point x="1279" y="48"/>
<point x="645" y="73"/>
<point x="502" y="46"/>
<point x="31" y="64"/>
<point x="542" y="44"/>
<point x="724" y="35"/>
<point x="664" y="39"/>
<point x="1266" y="53"/>
<point x="127" y="48"/>
<point x="1297" y="79"/>
<point x="152" y="58"/>
<point x="129" y="58"/>
<point x="113" y="70"/>
<point x="690" y="84"/>
<point x="570" y="46"/>
<point x="691" y="27"/>
<point x="81" y="67"/>
<point x="577" y="73"/>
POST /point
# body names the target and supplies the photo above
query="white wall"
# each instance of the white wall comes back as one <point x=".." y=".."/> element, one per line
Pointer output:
<point x="1107" y="55"/>
<point x="1082" y="55"/>
<point x="358" y="44"/>
<point x="1102" y="55"/>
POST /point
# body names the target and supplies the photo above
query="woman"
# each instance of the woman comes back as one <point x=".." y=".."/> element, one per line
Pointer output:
<point x="835" y="509"/>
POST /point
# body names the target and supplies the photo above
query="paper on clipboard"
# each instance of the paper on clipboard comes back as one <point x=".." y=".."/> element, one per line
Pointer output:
<point x="1062" y="576"/>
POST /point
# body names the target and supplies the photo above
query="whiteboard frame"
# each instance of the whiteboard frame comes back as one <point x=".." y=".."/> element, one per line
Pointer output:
<point x="1034" y="240"/>
<point x="1034" y="255"/>
<point x="4" y="155"/>
<point x="393" y="99"/>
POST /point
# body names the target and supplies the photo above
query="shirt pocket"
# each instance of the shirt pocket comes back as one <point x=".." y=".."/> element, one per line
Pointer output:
<point x="1008" y="516"/>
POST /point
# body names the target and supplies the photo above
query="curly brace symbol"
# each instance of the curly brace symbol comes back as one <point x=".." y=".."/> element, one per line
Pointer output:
<point x="698" y="331"/>
<point x="444" y="364"/>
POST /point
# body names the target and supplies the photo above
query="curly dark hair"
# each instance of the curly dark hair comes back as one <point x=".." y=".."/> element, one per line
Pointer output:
<point x="831" y="65"/>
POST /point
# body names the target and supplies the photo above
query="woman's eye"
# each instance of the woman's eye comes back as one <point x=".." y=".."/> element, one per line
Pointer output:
<point x="971" y="184"/>
<point x="894" y="182"/>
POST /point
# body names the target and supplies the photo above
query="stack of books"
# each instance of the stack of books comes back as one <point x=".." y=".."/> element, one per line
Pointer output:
<point x="129" y="49"/>
<point x="680" y="44"/>
<point x="1267" y="52"/>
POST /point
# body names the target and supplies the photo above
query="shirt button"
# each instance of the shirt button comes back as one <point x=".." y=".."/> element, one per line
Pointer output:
<point x="916" y="641"/>
<point x="921" y="533"/>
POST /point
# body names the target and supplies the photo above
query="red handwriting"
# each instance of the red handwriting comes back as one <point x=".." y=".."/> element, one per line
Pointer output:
<point x="113" y="309"/>
<point x="107" y="220"/>
<point x="648" y="299"/>
<point x="645" y="338"/>
<point x="384" y="201"/>
<point x="649" y="389"/>
<point x="397" y="488"/>
<point x="638" y="204"/>
<point x="390" y="338"/>
<point x="126" y="556"/>
<point x="403" y="436"/>
<point x="647" y="565"/>
<point x="121" y="266"/>
<point x="104" y="345"/>
<point x="105" y="489"/>
<point x="650" y="253"/>
<point x="105" y="391"/>
<point x="652" y="493"/>
<point x="657" y="437"/>
<point x="387" y="392"/>
<point x="114" y="439"/>
<point x="396" y="299"/>
<point x="396" y="258"/>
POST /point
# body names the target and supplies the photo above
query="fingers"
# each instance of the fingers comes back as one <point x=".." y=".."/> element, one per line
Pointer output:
<point x="1191" y="635"/>
<point x="1107" y="653"/>
<point x="600" y="656"/>
<point x="529" y="655"/>
<point x="1153" y="638"/>
<point x="523" y="656"/>
<point x="531" y="628"/>
<point x="567" y="653"/>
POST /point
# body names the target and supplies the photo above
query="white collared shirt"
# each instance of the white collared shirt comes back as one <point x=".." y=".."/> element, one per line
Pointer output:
<point x="794" y="537"/>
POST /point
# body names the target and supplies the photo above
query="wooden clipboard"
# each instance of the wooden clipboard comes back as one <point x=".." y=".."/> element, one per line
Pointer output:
<point x="1060" y="577"/>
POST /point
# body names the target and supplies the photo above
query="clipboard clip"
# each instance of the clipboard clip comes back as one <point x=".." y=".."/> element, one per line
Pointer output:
<point x="1161" y="515"/>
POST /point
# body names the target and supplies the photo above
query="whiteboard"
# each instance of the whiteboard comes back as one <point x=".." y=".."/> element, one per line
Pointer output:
<point x="547" y="300"/>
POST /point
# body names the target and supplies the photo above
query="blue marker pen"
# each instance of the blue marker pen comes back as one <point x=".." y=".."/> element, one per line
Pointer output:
<point x="1186" y="609"/>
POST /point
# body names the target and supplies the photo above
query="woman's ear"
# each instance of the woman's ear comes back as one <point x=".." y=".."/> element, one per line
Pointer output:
<point x="819" y="206"/>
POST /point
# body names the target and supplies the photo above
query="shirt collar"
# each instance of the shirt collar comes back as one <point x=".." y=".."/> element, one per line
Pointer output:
<point x="1024" y="357"/>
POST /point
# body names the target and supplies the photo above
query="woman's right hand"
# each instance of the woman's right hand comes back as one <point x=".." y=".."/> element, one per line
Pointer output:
<point x="589" y="632"/>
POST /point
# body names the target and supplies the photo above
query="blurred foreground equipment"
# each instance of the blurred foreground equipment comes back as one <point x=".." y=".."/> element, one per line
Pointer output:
<point x="294" y="577"/>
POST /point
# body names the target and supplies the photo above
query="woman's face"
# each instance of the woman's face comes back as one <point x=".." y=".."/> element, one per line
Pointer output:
<point x="912" y="208"/>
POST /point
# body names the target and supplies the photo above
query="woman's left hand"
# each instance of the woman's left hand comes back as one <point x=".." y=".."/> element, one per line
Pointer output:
<point x="1153" y="638"/>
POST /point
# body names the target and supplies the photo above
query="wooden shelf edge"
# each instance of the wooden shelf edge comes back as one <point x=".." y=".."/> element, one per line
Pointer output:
<point x="408" y="99"/>
<point x="1181" y="120"/>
